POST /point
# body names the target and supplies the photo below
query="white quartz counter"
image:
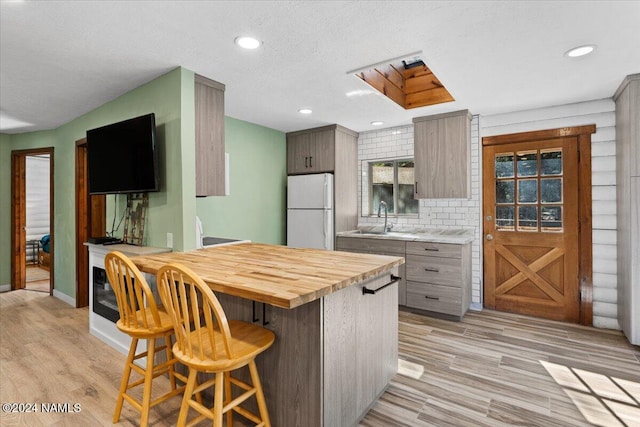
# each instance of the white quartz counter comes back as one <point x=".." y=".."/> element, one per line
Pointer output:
<point x="435" y="235"/>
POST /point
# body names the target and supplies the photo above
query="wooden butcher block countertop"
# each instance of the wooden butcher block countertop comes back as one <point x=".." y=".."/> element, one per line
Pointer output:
<point x="277" y="275"/>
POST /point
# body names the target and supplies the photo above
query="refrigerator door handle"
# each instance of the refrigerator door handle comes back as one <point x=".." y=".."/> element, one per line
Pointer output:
<point x="324" y="192"/>
<point x="326" y="226"/>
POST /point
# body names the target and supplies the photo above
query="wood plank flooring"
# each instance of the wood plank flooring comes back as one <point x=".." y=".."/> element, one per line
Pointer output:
<point x="500" y="369"/>
<point x="491" y="369"/>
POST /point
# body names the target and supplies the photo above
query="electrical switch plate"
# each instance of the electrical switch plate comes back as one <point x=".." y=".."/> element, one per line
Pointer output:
<point x="170" y="240"/>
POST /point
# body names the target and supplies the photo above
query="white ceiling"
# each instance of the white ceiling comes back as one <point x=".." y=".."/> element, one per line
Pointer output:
<point x="61" y="59"/>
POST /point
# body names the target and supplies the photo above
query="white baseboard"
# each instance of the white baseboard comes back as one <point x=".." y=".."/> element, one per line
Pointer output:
<point x="64" y="297"/>
<point x="5" y="288"/>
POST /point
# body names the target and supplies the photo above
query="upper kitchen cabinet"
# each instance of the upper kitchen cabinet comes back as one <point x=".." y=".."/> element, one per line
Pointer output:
<point x="442" y="155"/>
<point x="332" y="149"/>
<point x="312" y="150"/>
<point x="209" y="112"/>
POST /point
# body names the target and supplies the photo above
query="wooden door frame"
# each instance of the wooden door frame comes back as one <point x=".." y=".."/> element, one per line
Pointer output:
<point x="90" y="222"/>
<point x="19" y="218"/>
<point x="585" y="247"/>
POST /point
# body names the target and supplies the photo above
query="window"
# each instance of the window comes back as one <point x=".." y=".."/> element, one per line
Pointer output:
<point x="392" y="182"/>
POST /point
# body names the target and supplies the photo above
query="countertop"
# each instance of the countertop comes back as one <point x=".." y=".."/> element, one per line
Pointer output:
<point x="434" y="235"/>
<point x="129" y="250"/>
<point x="277" y="275"/>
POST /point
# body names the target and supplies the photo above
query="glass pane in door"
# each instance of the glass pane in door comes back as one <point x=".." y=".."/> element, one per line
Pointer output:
<point x="527" y="163"/>
<point x="504" y="165"/>
<point x="505" y="191"/>
<point x="527" y="218"/>
<point x="551" y="162"/>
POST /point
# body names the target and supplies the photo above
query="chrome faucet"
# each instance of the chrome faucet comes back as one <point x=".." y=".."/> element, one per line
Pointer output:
<point x="380" y="206"/>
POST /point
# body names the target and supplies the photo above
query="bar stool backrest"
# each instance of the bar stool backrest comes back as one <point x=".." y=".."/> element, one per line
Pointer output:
<point x="200" y="324"/>
<point x="136" y="303"/>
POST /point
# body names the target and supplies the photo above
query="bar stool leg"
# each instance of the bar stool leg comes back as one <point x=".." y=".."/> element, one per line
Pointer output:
<point x="148" y="379"/>
<point x="217" y="400"/>
<point x="172" y="377"/>
<point x="125" y="379"/>
<point x="188" y="392"/>
<point x="262" y="404"/>
<point x="228" y="397"/>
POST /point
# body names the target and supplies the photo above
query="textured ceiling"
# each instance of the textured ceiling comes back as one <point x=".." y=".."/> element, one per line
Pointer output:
<point x="61" y="59"/>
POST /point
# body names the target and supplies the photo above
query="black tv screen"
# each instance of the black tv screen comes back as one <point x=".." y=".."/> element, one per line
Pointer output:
<point x="122" y="157"/>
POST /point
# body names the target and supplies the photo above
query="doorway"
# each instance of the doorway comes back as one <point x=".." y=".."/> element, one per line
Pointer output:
<point x="32" y="228"/>
<point x="537" y="223"/>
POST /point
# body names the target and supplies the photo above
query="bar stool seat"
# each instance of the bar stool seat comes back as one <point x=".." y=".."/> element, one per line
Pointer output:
<point x="212" y="344"/>
<point x="142" y="319"/>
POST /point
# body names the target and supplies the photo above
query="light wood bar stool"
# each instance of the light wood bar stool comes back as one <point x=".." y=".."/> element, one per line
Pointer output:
<point x="212" y="344"/>
<point x="141" y="318"/>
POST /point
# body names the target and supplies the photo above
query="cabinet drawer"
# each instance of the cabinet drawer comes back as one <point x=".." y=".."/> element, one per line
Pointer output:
<point x="382" y="246"/>
<point x="442" y="299"/>
<point x="445" y="250"/>
<point x="429" y="269"/>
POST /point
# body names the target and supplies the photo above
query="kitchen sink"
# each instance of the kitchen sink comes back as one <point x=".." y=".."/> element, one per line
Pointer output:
<point x="381" y="233"/>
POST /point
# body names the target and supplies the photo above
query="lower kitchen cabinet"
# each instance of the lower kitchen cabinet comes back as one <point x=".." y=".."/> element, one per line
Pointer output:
<point x="436" y="277"/>
<point x="439" y="277"/>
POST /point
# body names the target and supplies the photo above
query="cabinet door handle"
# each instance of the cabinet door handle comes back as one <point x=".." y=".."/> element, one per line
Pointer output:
<point x="394" y="279"/>
<point x="416" y="187"/>
<point x="264" y="315"/>
<point x="253" y="311"/>
<point x="435" y="270"/>
<point x="433" y="298"/>
<point x="305" y="162"/>
<point x="432" y="249"/>
<point x="310" y="162"/>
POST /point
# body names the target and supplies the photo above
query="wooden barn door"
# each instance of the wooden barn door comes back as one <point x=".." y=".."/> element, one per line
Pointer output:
<point x="531" y="211"/>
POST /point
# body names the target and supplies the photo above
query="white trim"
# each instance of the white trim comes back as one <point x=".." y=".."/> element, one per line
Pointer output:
<point x="5" y="288"/>
<point x="64" y="297"/>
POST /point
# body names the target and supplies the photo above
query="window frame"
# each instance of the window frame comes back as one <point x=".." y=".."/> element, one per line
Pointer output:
<point x="372" y="211"/>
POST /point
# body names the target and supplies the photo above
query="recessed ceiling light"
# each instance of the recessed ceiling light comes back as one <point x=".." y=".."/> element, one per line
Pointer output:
<point x="305" y="111"/>
<point x="580" y="51"/>
<point x="247" y="42"/>
<point x="377" y="123"/>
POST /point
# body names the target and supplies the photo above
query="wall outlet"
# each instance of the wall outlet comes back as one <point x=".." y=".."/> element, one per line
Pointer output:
<point x="170" y="240"/>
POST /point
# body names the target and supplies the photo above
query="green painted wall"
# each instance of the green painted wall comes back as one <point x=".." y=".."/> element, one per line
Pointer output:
<point x="161" y="96"/>
<point x="256" y="206"/>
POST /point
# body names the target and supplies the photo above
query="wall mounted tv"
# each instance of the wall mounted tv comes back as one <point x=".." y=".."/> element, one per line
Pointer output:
<point x="122" y="157"/>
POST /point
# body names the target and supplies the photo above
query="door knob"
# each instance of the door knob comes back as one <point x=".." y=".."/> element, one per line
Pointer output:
<point x="489" y="237"/>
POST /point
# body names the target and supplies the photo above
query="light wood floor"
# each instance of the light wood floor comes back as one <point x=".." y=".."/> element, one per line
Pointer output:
<point x="37" y="279"/>
<point x="491" y="369"/>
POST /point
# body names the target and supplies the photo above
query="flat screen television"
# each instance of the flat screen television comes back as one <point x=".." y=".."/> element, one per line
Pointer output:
<point x="122" y="157"/>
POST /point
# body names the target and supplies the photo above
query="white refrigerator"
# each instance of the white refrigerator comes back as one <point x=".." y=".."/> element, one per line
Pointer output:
<point x="310" y="211"/>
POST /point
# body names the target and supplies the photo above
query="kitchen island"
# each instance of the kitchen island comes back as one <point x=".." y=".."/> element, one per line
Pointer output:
<point x="334" y="314"/>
